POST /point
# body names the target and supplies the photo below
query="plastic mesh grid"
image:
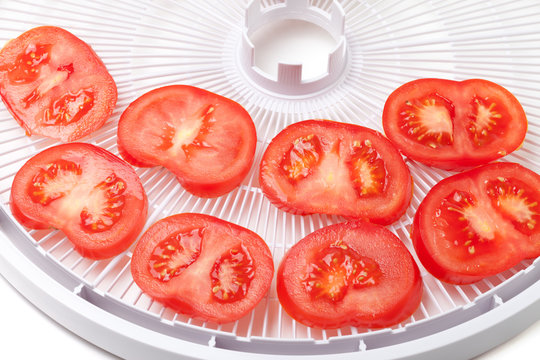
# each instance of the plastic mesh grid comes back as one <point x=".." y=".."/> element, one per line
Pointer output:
<point x="147" y="44"/>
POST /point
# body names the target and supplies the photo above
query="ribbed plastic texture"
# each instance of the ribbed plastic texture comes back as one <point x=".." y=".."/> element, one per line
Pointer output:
<point x="381" y="45"/>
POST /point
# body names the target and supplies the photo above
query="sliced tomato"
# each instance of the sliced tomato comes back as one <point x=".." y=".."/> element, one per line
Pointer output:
<point x="352" y="273"/>
<point x="322" y="166"/>
<point x="94" y="197"/>
<point x="55" y="85"/>
<point x="454" y="125"/>
<point x="202" y="266"/>
<point x="208" y="141"/>
<point x="479" y="223"/>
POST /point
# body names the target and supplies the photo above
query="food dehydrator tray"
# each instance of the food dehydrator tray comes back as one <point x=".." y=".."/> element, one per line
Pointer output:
<point x="379" y="45"/>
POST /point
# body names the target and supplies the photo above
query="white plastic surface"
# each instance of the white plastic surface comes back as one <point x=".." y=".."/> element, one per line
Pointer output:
<point x="291" y="79"/>
<point x="146" y="44"/>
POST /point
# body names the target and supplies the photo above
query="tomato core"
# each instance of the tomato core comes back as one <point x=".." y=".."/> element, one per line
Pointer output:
<point x="428" y="120"/>
<point x="512" y="199"/>
<point x="69" y="108"/>
<point x="368" y="172"/>
<point x="54" y="181"/>
<point x="27" y="65"/>
<point x="484" y="121"/>
<point x="105" y="205"/>
<point x="189" y="133"/>
<point x="475" y="226"/>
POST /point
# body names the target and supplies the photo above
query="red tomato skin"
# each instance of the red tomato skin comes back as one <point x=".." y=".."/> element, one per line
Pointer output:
<point x="23" y="219"/>
<point x="197" y="179"/>
<point x="87" y="61"/>
<point x="431" y="264"/>
<point x="462" y="155"/>
<point x="189" y="292"/>
<point x="511" y="249"/>
<point x="386" y="210"/>
<point x="97" y="246"/>
<point x="395" y="304"/>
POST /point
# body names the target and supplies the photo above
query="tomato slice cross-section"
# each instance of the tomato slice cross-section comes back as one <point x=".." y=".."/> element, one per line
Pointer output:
<point x="479" y="223"/>
<point x="354" y="273"/>
<point x="322" y="166"/>
<point x="454" y="125"/>
<point x="55" y="85"/>
<point x="203" y="266"/>
<point x="208" y="141"/>
<point x="338" y="267"/>
<point x="94" y="197"/>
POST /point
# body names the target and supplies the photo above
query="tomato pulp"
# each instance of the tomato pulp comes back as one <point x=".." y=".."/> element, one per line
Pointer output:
<point x="202" y="266"/>
<point x="206" y="140"/>
<point x="55" y="85"/>
<point x="94" y="197"/>
<point x="479" y="223"/>
<point x="354" y="273"/>
<point x="322" y="166"/>
<point x="454" y="125"/>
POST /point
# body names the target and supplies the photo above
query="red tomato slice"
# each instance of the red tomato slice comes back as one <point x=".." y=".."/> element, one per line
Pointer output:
<point x="55" y="85"/>
<point x="94" y="197"/>
<point x="321" y="166"/>
<point x="353" y="273"/>
<point x="454" y="125"/>
<point x="479" y="223"/>
<point x="202" y="266"/>
<point x="206" y="140"/>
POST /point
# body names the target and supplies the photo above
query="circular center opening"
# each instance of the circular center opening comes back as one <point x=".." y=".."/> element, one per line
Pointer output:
<point x="293" y="41"/>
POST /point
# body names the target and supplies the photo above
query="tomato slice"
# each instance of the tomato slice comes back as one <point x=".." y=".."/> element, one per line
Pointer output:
<point x="202" y="266"/>
<point x="55" y="85"/>
<point x="94" y="197"/>
<point x="206" y="140"/>
<point x="322" y="166"/>
<point x="454" y="125"/>
<point x="479" y="223"/>
<point x="352" y="273"/>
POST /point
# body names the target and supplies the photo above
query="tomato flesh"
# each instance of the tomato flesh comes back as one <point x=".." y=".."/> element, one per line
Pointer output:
<point x="69" y="108"/>
<point x="206" y="140"/>
<point x="516" y="202"/>
<point x="27" y="65"/>
<point x="304" y="154"/>
<point x="479" y="223"/>
<point x="55" y="85"/>
<point x="454" y="125"/>
<point x="231" y="275"/>
<point x="430" y="120"/>
<point x="354" y="273"/>
<point x="368" y="170"/>
<point x="95" y="198"/>
<point x="172" y="255"/>
<point x="321" y="166"/>
<point x="202" y="266"/>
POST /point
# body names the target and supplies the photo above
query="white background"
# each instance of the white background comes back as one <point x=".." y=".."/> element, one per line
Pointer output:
<point x="27" y="333"/>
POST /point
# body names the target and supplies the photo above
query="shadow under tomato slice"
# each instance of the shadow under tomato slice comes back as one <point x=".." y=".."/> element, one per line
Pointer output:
<point x="203" y="267"/>
<point x="349" y="274"/>
<point x="95" y="198"/>
<point x="479" y="223"/>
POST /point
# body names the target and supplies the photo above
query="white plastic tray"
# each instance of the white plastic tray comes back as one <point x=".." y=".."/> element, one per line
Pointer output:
<point x="146" y="44"/>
